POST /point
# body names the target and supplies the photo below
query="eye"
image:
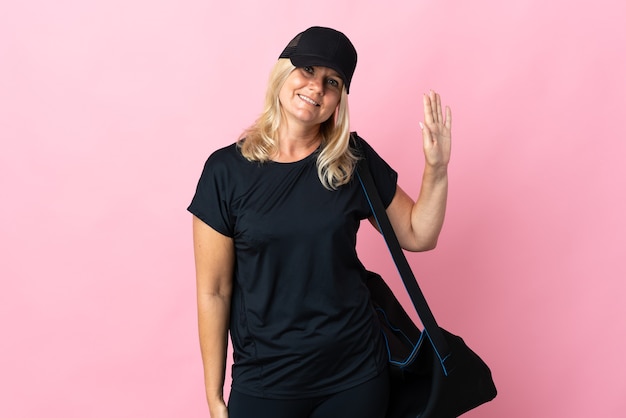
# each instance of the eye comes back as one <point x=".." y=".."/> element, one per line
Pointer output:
<point x="308" y="69"/>
<point x="333" y="82"/>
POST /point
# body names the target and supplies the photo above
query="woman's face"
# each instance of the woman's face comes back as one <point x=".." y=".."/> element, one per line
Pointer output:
<point x="310" y="95"/>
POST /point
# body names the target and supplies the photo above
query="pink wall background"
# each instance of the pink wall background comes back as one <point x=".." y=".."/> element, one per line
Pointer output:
<point x="109" y="109"/>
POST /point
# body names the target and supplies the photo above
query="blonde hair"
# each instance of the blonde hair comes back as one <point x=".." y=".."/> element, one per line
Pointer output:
<point x="335" y="161"/>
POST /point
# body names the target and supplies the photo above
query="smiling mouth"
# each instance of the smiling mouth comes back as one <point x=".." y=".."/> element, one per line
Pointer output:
<point x="308" y="100"/>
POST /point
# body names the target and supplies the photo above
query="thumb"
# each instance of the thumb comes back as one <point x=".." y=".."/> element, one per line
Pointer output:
<point x="426" y="137"/>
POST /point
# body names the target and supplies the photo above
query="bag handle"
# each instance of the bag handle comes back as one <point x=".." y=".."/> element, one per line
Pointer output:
<point x="431" y="328"/>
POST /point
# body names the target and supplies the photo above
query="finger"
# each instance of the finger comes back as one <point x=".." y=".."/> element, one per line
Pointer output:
<point x="448" y="118"/>
<point x="439" y="113"/>
<point x="432" y="95"/>
<point x="428" y="110"/>
<point x="426" y="136"/>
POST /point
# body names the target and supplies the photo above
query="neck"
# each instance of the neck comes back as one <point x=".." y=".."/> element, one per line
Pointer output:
<point x="296" y="145"/>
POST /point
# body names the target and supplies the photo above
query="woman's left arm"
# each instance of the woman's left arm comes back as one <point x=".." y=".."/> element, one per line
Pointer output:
<point x="418" y="224"/>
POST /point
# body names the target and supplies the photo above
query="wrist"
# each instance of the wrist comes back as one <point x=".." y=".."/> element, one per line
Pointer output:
<point x="436" y="173"/>
<point x="216" y="405"/>
<point x="215" y="399"/>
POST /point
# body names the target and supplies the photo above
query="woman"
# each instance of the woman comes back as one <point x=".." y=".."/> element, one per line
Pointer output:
<point x="275" y="222"/>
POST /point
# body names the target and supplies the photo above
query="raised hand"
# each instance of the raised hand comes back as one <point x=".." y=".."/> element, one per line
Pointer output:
<point x="436" y="131"/>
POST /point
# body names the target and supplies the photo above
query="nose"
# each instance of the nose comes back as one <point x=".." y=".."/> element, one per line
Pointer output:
<point x="317" y="84"/>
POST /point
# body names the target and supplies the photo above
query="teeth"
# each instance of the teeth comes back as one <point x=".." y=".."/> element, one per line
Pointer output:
<point x="308" y="100"/>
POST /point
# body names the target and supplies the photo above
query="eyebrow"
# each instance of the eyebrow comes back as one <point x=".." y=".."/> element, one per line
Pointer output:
<point x="332" y="72"/>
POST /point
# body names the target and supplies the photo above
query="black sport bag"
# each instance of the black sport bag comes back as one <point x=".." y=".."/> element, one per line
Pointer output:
<point x="434" y="374"/>
<point x="422" y="384"/>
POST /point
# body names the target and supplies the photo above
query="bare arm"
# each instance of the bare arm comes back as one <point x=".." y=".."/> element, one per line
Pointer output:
<point x="214" y="256"/>
<point x="418" y="224"/>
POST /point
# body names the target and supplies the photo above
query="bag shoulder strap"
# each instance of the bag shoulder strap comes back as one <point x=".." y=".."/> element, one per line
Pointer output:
<point x="431" y="328"/>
